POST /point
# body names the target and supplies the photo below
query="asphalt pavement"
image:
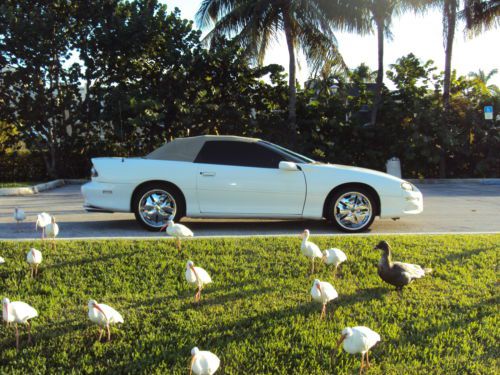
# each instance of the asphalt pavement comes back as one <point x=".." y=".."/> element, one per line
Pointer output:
<point x="448" y="208"/>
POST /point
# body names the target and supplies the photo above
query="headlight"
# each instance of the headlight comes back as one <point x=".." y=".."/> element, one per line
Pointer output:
<point x="406" y="186"/>
<point x="93" y="172"/>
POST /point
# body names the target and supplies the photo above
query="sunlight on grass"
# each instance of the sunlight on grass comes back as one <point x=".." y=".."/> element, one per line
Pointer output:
<point x="257" y="315"/>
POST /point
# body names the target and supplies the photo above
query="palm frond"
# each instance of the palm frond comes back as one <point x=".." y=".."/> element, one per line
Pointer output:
<point x="480" y="16"/>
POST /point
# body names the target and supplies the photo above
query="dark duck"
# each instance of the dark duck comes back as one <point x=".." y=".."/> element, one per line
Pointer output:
<point x="397" y="273"/>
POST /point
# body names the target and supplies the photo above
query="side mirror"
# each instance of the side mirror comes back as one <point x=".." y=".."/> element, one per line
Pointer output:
<point x="288" y="166"/>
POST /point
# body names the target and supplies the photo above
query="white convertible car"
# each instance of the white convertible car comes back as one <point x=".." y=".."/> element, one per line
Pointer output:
<point x="236" y="177"/>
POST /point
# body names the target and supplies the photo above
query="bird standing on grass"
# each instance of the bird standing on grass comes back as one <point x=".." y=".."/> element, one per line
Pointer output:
<point x="34" y="258"/>
<point x="310" y="249"/>
<point x="42" y="220"/>
<point x="323" y="292"/>
<point x="52" y="230"/>
<point x="203" y="362"/>
<point x="19" y="215"/>
<point x="334" y="256"/>
<point x="197" y="276"/>
<point x="177" y="230"/>
<point x="18" y="312"/>
<point x="397" y="273"/>
<point x="359" y="340"/>
<point x="104" y="316"/>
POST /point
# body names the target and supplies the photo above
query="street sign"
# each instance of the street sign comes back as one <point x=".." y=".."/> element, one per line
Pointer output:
<point x="488" y="112"/>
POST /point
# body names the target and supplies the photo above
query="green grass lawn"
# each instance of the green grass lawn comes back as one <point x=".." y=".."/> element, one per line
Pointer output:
<point x="18" y="184"/>
<point x="257" y="315"/>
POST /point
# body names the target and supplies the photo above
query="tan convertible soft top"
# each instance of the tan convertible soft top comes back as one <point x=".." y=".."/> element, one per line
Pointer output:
<point x="186" y="149"/>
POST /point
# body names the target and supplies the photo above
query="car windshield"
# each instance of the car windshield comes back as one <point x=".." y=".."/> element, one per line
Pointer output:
<point x="298" y="158"/>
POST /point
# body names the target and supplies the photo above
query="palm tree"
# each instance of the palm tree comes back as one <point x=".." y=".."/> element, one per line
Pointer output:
<point x="381" y="12"/>
<point x="482" y="78"/>
<point x="255" y="24"/>
<point x="449" y="25"/>
<point x="480" y="15"/>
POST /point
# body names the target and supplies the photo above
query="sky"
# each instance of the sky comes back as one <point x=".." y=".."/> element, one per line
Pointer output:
<point x="417" y="34"/>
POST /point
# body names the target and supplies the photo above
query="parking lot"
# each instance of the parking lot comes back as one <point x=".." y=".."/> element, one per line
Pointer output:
<point x="448" y="208"/>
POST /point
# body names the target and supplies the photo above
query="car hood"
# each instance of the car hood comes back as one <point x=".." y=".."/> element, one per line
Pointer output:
<point x="358" y="171"/>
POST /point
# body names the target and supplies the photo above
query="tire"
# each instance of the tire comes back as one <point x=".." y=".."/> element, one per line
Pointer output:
<point x="169" y="201"/>
<point x="352" y="199"/>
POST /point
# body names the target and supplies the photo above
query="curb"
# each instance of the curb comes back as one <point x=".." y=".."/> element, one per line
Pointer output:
<point x="450" y="181"/>
<point x="241" y="236"/>
<point x="35" y="189"/>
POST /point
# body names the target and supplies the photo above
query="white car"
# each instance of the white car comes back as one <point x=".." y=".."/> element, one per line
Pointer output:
<point x="236" y="177"/>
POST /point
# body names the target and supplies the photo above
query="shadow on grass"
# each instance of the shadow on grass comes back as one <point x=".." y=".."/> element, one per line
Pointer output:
<point x="453" y="257"/>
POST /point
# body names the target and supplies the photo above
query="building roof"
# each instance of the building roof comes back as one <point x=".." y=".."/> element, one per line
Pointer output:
<point x="186" y="149"/>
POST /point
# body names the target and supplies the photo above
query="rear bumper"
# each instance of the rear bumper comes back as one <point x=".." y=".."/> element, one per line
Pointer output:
<point x="107" y="197"/>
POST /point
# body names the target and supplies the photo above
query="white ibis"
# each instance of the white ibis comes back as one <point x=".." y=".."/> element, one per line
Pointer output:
<point x="397" y="273"/>
<point x="18" y="312"/>
<point x="34" y="258"/>
<point x="52" y="230"/>
<point x="197" y="276"/>
<point x="42" y="220"/>
<point x="334" y="256"/>
<point x="203" y="362"/>
<point x="177" y="230"/>
<point x="2" y="261"/>
<point x="359" y="340"/>
<point x="323" y="292"/>
<point x="19" y="215"/>
<point x="104" y="316"/>
<point x="310" y="249"/>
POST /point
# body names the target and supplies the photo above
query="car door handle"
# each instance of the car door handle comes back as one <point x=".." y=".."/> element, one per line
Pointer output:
<point x="207" y="174"/>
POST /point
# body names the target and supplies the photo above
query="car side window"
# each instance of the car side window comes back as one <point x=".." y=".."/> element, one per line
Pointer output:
<point x="244" y="154"/>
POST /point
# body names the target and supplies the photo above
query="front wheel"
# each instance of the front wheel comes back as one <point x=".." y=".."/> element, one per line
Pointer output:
<point x="153" y="204"/>
<point x="352" y="209"/>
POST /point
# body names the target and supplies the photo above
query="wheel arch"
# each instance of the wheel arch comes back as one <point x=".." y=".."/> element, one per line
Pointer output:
<point x="352" y="185"/>
<point x="163" y="182"/>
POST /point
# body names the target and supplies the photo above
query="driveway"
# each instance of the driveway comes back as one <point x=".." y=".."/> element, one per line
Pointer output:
<point x="457" y="208"/>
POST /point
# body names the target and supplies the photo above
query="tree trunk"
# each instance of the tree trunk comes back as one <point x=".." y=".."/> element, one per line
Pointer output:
<point x="450" y="14"/>
<point x="380" y="72"/>
<point x="292" y="100"/>
<point x="450" y="18"/>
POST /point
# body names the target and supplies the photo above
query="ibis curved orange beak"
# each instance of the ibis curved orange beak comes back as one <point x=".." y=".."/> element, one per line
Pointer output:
<point x="191" y="364"/>
<point x="341" y="340"/>
<point x="96" y="306"/>
<point x="163" y="227"/>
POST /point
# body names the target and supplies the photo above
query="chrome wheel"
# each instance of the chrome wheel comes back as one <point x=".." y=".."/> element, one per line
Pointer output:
<point x="353" y="211"/>
<point x="156" y="206"/>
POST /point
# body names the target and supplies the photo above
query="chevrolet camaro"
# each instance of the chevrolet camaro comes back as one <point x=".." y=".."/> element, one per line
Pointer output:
<point x="236" y="177"/>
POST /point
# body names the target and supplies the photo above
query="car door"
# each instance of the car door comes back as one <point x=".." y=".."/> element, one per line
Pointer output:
<point x="243" y="178"/>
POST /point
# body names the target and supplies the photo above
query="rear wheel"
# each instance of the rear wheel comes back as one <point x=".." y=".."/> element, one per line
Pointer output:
<point x="154" y="203"/>
<point x="352" y="209"/>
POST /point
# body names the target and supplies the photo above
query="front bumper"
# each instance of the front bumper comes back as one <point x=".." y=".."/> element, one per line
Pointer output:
<point x="414" y="202"/>
<point x="408" y="203"/>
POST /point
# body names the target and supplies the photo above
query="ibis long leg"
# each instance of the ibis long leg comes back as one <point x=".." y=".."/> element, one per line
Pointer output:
<point x="367" y="360"/>
<point x="109" y="332"/>
<point x="17" y="337"/>
<point x="29" y="332"/>
<point x="323" y="311"/>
